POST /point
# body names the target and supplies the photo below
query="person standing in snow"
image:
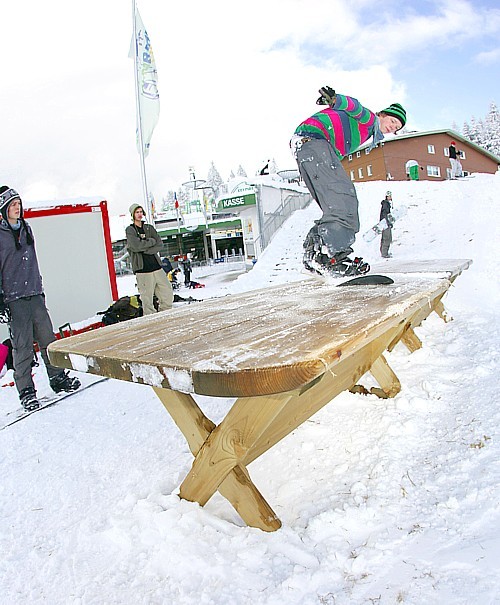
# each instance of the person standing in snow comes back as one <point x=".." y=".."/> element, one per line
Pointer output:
<point x="386" y="238"/>
<point x="187" y="268"/>
<point x="144" y="245"/>
<point x="456" y="167"/>
<point x="319" y="144"/>
<point x="22" y="302"/>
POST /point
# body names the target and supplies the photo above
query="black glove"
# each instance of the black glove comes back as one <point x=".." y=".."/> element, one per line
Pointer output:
<point x="328" y="96"/>
<point x="4" y="311"/>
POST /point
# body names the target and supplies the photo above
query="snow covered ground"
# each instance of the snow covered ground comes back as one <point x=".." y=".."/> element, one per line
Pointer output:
<point x="382" y="501"/>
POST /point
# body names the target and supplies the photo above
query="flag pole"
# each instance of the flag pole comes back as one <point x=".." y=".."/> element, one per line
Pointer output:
<point x="147" y="204"/>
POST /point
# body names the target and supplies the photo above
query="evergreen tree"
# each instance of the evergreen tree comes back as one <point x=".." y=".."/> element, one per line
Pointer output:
<point x="241" y="171"/>
<point x="168" y="201"/>
<point x="466" y="131"/>
<point x="183" y="197"/>
<point x="485" y="133"/>
<point x="214" y="180"/>
<point x="492" y="130"/>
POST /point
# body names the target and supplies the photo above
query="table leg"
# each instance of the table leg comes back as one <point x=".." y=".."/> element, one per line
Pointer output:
<point x="237" y="487"/>
<point x="228" y="444"/>
<point x="387" y="379"/>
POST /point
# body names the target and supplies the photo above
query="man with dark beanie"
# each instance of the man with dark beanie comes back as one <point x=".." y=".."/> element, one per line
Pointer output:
<point x="22" y="301"/>
<point x="319" y="144"/>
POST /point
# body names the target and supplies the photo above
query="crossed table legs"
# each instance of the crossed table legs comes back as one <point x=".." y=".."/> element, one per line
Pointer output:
<point x="255" y="424"/>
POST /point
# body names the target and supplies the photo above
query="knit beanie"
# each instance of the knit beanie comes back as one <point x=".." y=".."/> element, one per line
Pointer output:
<point x="396" y="110"/>
<point x="133" y="208"/>
<point x="7" y="196"/>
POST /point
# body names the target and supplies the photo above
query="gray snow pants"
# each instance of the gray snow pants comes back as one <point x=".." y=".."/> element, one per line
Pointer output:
<point x="30" y="321"/>
<point x="385" y="242"/>
<point x="333" y="190"/>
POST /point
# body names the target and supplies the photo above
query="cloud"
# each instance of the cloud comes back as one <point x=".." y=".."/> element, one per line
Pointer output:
<point x="488" y="57"/>
<point x="233" y="83"/>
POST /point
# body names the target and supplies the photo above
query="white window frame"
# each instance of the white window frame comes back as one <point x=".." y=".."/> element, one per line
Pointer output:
<point x="367" y="151"/>
<point x="369" y="170"/>
<point x="431" y="149"/>
<point x="434" y="171"/>
<point x="352" y="175"/>
<point x="446" y="152"/>
<point x="358" y="154"/>
<point x="349" y="159"/>
<point x="360" y="172"/>
<point x="461" y="155"/>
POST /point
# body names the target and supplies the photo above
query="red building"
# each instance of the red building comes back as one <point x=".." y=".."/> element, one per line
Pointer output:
<point x="429" y="149"/>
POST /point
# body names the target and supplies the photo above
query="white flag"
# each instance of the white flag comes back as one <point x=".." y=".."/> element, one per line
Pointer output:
<point x="147" y="83"/>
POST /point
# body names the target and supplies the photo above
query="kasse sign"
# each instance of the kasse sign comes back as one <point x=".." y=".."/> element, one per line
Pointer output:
<point x="236" y="201"/>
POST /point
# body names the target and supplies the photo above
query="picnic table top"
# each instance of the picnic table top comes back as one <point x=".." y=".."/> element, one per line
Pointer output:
<point x="261" y="342"/>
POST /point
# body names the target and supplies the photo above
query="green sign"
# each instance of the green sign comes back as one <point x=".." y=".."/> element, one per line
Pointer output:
<point x="227" y="203"/>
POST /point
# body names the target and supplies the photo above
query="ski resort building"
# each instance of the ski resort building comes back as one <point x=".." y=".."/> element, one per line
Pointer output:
<point x="241" y="225"/>
<point x="428" y="149"/>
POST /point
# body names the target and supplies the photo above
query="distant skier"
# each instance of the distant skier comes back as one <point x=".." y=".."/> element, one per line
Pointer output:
<point x="386" y="237"/>
<point x="319" y="144"/>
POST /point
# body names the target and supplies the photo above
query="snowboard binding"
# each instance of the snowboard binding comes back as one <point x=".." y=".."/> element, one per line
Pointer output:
<point x="317" y="260"/>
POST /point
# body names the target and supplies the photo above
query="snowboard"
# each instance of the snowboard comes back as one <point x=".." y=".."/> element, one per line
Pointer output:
<point x="45" y="402"/>
<point x="377" y="229"/>
<point x="368" y="280"/>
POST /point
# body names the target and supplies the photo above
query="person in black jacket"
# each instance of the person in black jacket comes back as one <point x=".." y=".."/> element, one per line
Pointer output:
<point x="454" y="161"/>
<point x="385" y="213"/>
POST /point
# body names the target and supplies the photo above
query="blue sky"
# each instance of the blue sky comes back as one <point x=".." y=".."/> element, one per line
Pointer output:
<point x="233" y="83"/>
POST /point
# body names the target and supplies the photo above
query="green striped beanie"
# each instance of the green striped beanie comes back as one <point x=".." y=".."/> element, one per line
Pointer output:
<point x="398" y="111"/>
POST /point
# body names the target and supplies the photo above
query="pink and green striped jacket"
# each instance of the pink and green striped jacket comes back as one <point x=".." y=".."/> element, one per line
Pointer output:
<point x="347" y="126"/>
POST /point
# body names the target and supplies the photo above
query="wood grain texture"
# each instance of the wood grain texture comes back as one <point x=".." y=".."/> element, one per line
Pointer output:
<point x="263" y="342"/>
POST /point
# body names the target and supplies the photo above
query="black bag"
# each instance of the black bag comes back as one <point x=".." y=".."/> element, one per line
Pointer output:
<point x="125" y="308"/>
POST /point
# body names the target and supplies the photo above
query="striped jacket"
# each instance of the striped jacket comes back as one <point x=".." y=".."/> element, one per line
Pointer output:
<point x="346" y="126"/>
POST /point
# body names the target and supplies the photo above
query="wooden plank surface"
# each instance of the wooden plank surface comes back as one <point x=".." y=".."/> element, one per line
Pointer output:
<point x="262" y="342"/>
<point x="450" y="268"/>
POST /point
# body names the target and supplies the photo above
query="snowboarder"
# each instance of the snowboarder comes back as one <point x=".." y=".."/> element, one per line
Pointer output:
<point x="22" y="302"/>
<point x="319" y="144"/>
<point x="143" y="245"/>
<point x="386" y="238"/>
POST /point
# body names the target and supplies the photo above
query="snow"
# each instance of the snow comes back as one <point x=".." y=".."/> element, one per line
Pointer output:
<point x="382" y="501"/>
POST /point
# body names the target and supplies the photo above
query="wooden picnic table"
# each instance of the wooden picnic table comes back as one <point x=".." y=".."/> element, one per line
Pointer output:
<point x="283" y="352"/>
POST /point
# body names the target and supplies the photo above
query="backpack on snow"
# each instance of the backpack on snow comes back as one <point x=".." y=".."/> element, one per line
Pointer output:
<point x="125" y="308"/>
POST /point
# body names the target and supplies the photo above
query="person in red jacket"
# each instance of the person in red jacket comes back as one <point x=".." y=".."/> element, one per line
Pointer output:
<point x="319" y="144"/>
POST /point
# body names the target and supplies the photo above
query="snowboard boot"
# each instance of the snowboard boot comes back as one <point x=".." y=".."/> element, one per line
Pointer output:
<point x="64" y="382"/>
<point x="339" y="265"/>
<point x="29" y="400"/>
